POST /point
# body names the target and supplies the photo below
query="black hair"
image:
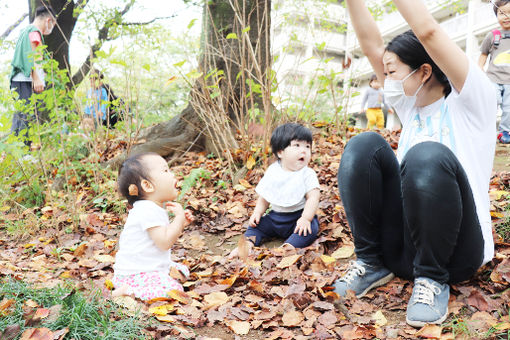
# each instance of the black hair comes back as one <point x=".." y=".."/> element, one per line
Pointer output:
<point x="132" y="171"/>
<point x="286" y="133"/>
<point x="497" y="4"/>
<point x="372" y="78"/>
<point x="412" y="53"/>
<point x="45" y="11"/>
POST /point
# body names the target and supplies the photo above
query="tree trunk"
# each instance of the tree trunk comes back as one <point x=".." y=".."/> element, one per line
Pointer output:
<point x="236" y="42"/>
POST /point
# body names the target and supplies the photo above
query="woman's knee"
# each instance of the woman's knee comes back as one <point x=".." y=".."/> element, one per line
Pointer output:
<point x="361" y="145"/>
<point x="424" y="162"/>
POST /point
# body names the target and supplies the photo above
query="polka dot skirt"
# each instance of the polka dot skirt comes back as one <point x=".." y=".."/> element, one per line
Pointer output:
<point x="147" y="285"/>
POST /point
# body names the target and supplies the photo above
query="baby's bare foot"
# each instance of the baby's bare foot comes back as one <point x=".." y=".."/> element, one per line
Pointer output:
<point x="124" y="290"/>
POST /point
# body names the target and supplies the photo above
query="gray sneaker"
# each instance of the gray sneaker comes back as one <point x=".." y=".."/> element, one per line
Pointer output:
<point x="429" y="302"/>
<point x="361" y="277"/>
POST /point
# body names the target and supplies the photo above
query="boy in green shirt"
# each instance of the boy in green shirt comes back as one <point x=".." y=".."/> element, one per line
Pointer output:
<point x="27" y="76"/>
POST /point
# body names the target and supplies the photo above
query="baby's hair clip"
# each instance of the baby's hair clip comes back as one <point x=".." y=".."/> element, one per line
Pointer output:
<point x="133" y="190"/>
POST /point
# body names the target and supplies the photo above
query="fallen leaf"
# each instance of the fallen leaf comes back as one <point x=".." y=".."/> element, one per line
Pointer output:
<point x="215" y="299"/>
<point x="10" y="332"/>
<point x="180" y="296"/>
<point x="37" y="334"/>
<point x="127" y="302"/>
<point x="503" y="326"/>
<point x="476" y="299"/>
<point x="292" y="318"/>
<point x="245" y="183"/>
<point x="250" y="162"/>
<point x="6" y="304"/>
<point x="31" y="303"/>
<point x="239" y="327"/>
<point x="379" y="318"/>
<point x="104" y="258"/>
<point x="430" y="332"/>
<point x="159" y="310"/>
<point x="327" y="259"/>
<point x="41" y="313"/>
<point x="288" y="261"/>
<point x="166" y="318"/>
<point x="343" y="252"/>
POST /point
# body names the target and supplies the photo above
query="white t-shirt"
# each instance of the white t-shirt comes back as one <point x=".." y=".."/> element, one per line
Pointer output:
<point x="286" y="190"/>
<point x="466" y="123"/>
<point x="137" y="252"/>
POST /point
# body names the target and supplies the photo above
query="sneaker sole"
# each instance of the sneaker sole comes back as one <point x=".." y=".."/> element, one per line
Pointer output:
<point x="376" y="284"/>
<point x="416" y="323"/>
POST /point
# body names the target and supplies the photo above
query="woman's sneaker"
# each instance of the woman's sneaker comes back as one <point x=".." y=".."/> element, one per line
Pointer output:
<point x="428" y="303"/>
<point x="361" y="277"/>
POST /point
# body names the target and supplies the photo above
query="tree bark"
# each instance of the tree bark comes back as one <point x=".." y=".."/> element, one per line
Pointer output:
<point x="235" y="41"/>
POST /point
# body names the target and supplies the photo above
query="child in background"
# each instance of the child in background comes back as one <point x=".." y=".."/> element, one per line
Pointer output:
<point x="291" y="188"/>
<point x="142" y="263"/>
<point x="374" y="99"/>
<point x="497" y="45"/>
<point x="97" y="99"/>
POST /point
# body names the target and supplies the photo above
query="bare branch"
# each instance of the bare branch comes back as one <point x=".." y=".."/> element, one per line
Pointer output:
<point x="13" y="26"/>
<point x="102" y="36"/>
<point x="148" y="22"/>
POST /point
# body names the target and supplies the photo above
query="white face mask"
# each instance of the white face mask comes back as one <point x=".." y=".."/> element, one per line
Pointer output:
<point x="395" y="95"/>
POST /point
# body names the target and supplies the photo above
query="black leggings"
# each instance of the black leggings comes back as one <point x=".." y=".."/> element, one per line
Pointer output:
<point x="417" y="219"/>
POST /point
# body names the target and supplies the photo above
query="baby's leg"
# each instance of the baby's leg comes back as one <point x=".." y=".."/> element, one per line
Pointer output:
<point x="301" y="241"/>
<point x="121" y="291"/>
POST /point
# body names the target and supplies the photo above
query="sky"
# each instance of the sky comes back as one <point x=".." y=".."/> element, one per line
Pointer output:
<point x="144" y="10"/>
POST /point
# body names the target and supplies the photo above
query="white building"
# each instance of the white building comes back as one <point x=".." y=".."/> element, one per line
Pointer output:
<point x="301" y="40"/>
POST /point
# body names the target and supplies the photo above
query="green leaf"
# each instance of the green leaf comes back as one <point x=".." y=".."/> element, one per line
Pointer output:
<point x="191" y="23"/>
<point x="100" y="54"/>
<point x="231" y="36"/>
<point x="180" y="63"/>
<point x="147" y="67"/>
<point x="246" y="29"/>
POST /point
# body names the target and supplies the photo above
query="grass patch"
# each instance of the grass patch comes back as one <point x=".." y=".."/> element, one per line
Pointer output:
<point x="87" y="317"/>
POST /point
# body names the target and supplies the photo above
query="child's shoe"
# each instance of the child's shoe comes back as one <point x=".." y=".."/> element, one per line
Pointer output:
<point x="504" y="137"/>
<point x="429" y="302"/>
<point x="361" y="277"/>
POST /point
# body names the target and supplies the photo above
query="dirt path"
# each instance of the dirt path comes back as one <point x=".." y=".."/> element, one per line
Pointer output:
<point x="502" y="158"/>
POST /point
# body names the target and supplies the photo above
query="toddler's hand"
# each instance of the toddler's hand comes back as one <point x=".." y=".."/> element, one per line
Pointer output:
<point x="188" y="215"/>
<point x="176" y="209"/>
<point x="303" y="227"/>
<point x="254" y="219"/>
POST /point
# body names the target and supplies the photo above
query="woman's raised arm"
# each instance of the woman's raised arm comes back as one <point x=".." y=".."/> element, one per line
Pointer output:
<point x="368" y="34"/>
<point x="445" y="53"/>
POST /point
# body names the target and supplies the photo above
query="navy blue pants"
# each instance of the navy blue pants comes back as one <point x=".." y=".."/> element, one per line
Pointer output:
<point x="418" y="218"/>
<point x="282" y="225"/>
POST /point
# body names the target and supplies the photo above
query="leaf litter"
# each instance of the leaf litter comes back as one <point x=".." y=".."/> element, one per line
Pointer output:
<point x="274" y="293"/>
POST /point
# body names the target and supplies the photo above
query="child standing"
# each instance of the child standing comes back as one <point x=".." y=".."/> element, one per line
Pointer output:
<point x="291" y="188"/>
<point x="142" y="263"/>
<point x="497" y="45"/>
<point x="374" y="99"/>
<point x="27" y="75"/>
